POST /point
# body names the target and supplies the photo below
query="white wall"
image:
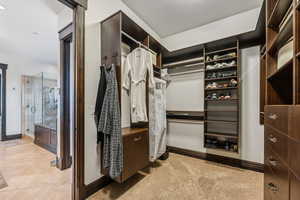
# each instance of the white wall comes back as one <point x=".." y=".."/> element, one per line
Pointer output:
<point x="252" y="131"/>
<point x="18" y="66"/>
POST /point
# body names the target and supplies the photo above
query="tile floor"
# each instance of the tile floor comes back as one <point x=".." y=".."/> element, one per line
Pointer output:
<point x="29" y="176"/>
<point x="185" y="178"/>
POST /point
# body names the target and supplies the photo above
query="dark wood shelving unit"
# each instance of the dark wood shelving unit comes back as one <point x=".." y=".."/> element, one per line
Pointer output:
<point x="228" y="116"/>
<point x="280" y="99"/>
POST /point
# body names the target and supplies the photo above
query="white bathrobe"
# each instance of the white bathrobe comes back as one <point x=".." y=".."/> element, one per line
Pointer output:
<point x="138" y="63"/>
<point x="157" y="120"/>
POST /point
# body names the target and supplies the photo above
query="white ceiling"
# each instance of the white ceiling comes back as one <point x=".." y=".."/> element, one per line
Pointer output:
<point x="30" y="29"/>
<point x="168" y="17"/>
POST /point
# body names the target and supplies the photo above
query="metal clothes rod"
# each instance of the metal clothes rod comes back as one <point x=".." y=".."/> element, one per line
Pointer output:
<point x="138" y="42"/>
<point x="187" y="72"/>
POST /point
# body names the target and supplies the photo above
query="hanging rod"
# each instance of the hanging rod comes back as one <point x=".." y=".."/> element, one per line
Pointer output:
<point x="198" y="60"/>
<point x="187" y="72"/>
<point x="138" y="42"/>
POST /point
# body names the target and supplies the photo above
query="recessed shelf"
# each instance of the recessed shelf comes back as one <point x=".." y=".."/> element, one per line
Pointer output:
<point x="220" y="60"/>
<point x="228" y="88"/>
<point x="219" y="148"/>
<point x="221" y="135"/>
<point x="282" y="70"/>
<point x="221" y="121"/>
<point x="221" y="51"/>
<point x="223" y="68"/>
<point x="221" y="78"/>
<point x="222" y="111"/>
<point x="280" y="9"/>
<point x="282" y="37"/>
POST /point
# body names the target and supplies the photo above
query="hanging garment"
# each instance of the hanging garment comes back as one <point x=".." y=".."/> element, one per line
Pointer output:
<point x="137" y="64"/>
<point x="99" y="102"/>
<point x="157" y="120"/>
<point x="110" y="126"/>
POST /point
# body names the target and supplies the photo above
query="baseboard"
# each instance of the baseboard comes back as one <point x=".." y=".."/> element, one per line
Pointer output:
<point x="97" y="185"/>
<point x="219" y="159"/>
<point x="12" y="137"/>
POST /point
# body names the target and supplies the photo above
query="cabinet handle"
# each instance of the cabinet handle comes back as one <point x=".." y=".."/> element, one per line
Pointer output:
<point x="273" y="162"/>
<point x="273" y="139"/>
<point x="273" y="187"/>
<point x="273" y="116"/>
<point x="137" y="139"/>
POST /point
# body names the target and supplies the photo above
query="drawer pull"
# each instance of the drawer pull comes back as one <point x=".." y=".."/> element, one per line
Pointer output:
<point x="273" y="162"/>
<point x="273" y="139"/>
<point x="137" y="139"/>
<point x="273" y="187"/>
<point x="273" y="116"/>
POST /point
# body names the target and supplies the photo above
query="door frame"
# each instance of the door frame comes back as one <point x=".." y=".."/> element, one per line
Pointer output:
<point x="64" y="159"/>
<point x="79" y="7"/>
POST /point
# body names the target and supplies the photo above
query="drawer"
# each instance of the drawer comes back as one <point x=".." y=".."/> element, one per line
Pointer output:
<point x="278" y="142"/>
<point x="136" y="153"/>
<point x="294" y="187"/>
<point x="277" y="117"/>
<point x="278" y="190"/>
<point x="294" y="125"/>
<point x="294" y="154"/>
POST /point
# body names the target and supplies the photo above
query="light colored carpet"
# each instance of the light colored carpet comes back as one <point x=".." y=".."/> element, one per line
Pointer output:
<point x="185" y="178"/>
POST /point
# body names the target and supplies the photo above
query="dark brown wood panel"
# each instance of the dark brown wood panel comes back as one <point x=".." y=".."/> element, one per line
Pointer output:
<point x="294" y="123"/>
<point x="294" y="156"/>
<point x="294" y="187"/>
<point x="277" y="117"/>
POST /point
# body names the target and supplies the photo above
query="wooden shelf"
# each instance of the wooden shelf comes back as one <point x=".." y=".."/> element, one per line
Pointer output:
<point x="221" y="135"/>
<point x="223" y="68"/>
<point x="220" y="60"/>
<point x="282" y="71"/>
<point x="222" y="111"/>
<point x="217" y="100"/>
<point x="229" y="88"/>
<point x="221" y="78"/>
<point x="221" y="121"/>
<point x="219" y="149"/>
<point x="221" y="51"/>
<point x="280" y="9"/>
<point x="282" y="37"/>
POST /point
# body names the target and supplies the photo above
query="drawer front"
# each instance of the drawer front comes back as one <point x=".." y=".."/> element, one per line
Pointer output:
<point x="294" y="153"/>
<point x="277" y="117"/>
<point x="273" y="185"/>
<point x="278" y="142"/>
<point x="136" y="153"/>
<point x="295" y="187"/>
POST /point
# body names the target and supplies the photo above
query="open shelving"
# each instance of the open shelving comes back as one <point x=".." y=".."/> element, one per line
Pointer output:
<point x="222" y="116"/>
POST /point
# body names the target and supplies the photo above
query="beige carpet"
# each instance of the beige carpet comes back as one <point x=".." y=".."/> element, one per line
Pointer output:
<point x="3" y="183"/>
<point x="185" y="178"/>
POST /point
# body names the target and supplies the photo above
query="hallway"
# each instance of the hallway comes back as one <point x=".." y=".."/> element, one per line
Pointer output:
<point x="28" y="174"/>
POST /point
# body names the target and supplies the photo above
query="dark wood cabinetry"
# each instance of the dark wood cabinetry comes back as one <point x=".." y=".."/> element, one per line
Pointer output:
<point x="46" y="138"/>
<point x="282" y="152"/>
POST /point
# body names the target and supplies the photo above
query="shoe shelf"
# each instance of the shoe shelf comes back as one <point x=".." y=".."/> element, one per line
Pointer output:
<point x="222" y="135"/>
<point x="222" y="68"/>
<point x="222" y="115"/>
<point x="278" y="12"/>
<point x="216" y="89"/>
<point x="221" y="78"/>
<point x="220" y="100"/>
<point x="282" y="37"/>
<point x="221" y="60"/>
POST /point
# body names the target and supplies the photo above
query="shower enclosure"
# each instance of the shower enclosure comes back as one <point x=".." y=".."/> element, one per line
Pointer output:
<point x="40" y="107"/>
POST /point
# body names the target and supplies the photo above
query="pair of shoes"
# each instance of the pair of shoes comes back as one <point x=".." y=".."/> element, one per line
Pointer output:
<point x="213" y="85"/>
<point x="229" y="55"/>
<point x="233" y="83"/>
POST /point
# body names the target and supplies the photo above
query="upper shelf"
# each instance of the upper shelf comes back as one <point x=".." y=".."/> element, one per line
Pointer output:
<point x="279" y="11"/>
<point x="282" y="37"/>
<point x="221" y="51"/>
<point x="282" y="71"/>
<point x="219" y="60"/>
